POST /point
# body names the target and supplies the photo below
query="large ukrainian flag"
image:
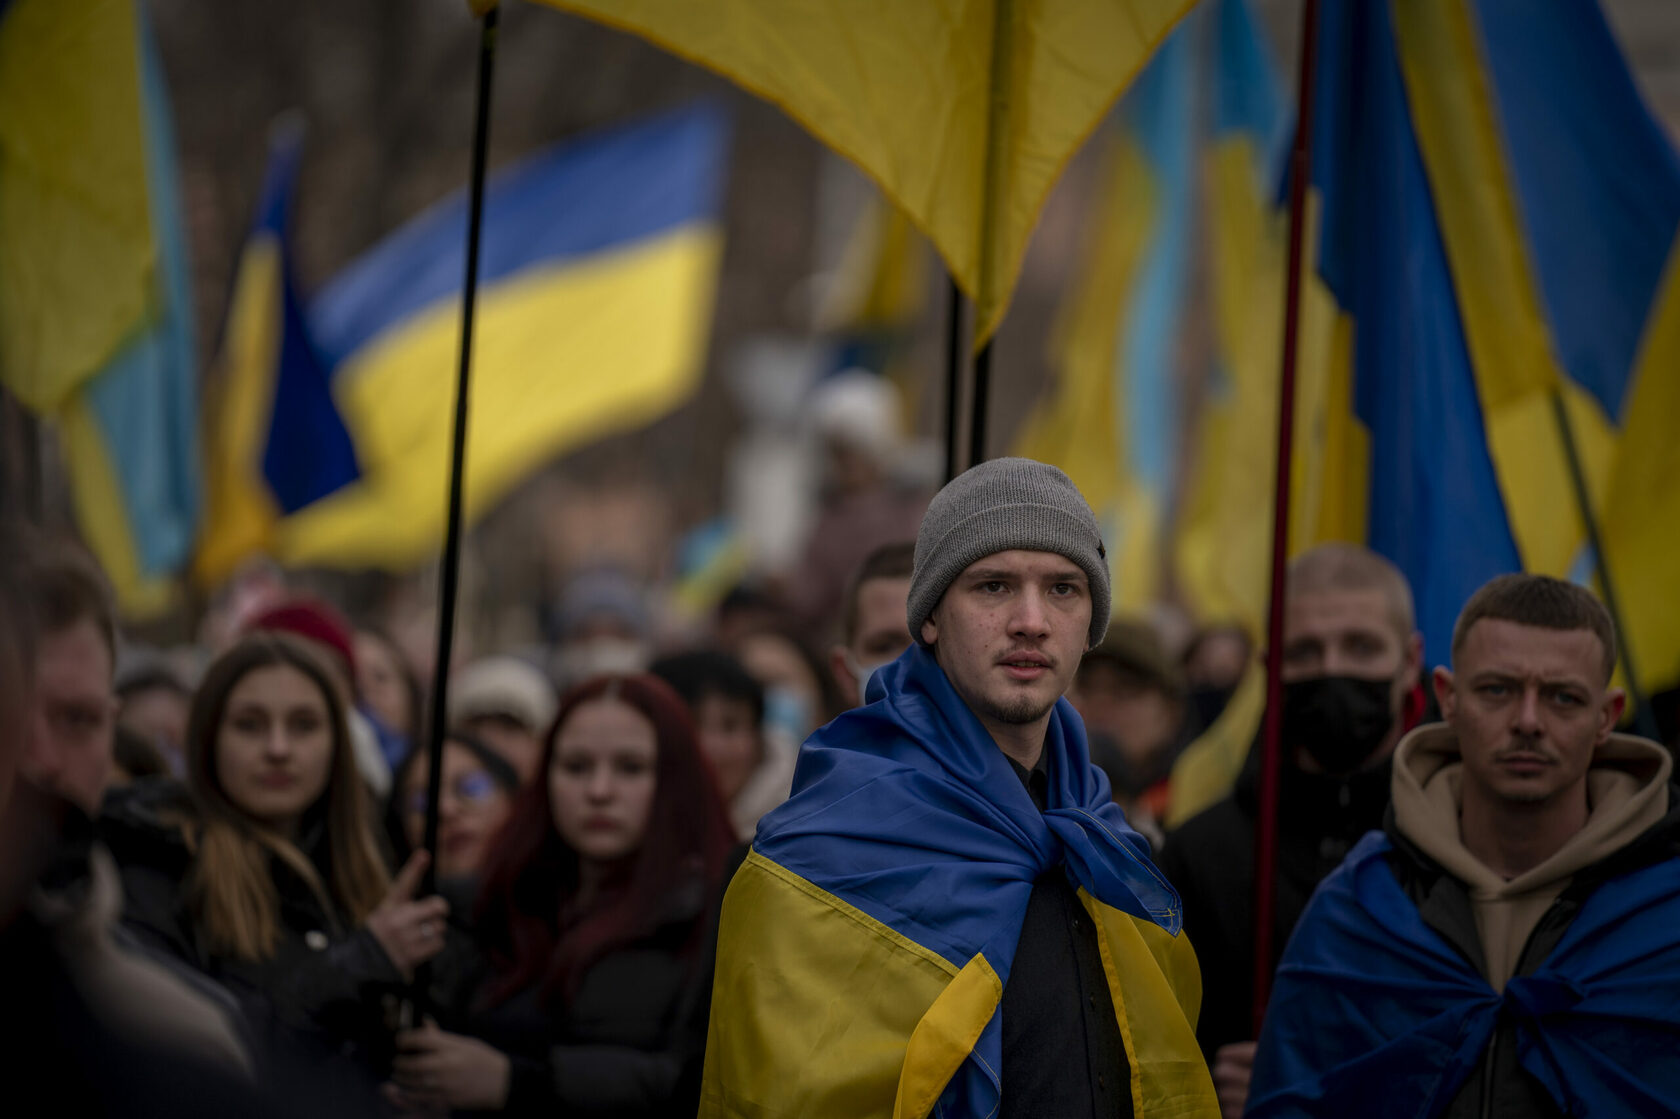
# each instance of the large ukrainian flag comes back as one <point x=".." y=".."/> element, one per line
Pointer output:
<point x="597" y="276"/>
<point x="1496" y="224"/>
<point x="964" y="112"/>
<point x="95" y="313"/>
<point x="1491" y="223"/>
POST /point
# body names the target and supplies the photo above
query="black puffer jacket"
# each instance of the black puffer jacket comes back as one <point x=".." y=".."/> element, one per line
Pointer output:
<point x="629" y="1044"/>
<point x="1210" y="860"/>
<point x="1501" y="1088"/>
<point x="321" y="1003"/>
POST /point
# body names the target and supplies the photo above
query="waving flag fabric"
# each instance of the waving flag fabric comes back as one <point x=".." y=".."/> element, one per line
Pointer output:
<point x="1113" y="418"/>
<point x="95" y="311"/>
<point x="964" y="113"/>
<point x="1491" y="223"/>
<point x="277" y="441"/>
<point x="598" y="270"/>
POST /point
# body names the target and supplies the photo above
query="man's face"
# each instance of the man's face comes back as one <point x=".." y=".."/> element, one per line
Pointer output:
<point x="882" y="634"/>
<point x="1009" y="634"/>
<point x="1529" y="707"/>
<point x="72" y="754"/>
<point x="1349" y="633"/>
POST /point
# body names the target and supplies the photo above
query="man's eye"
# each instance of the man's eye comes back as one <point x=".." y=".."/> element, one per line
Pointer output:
<point x="1494" y="691"/>
<point x="1065" y="589"/>
<point x="1568" y="699"/>
<point x="992" y="586"/>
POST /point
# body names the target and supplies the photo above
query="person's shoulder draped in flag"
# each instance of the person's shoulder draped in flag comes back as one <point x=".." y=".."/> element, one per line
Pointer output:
<point x="1509" y="938"/>
<point x="950" y="913"/>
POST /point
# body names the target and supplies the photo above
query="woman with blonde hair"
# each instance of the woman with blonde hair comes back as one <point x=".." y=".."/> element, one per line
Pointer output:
<point x="267" y="876"/>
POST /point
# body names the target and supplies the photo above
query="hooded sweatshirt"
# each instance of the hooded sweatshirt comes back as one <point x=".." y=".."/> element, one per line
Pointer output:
<point x="1627" y="792"/>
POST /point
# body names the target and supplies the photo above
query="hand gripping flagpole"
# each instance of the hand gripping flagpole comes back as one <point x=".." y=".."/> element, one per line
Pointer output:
<point x="450" y="577"/>
<point x="1265" y="837"/>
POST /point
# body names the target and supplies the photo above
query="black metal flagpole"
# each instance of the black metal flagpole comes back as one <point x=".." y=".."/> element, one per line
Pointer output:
<point x="953" y="378"/>
<point x="1271" y="742"/>
<point x="977" y="405"/>
<point x="451" y="573"/>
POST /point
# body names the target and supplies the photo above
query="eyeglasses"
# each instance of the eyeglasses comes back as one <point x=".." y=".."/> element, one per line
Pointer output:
<point x="470" y="789"/>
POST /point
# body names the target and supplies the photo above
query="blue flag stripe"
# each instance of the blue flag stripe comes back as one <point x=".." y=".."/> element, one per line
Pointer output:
<point x="1597" y="181"/>
<point x="593" y="194"/>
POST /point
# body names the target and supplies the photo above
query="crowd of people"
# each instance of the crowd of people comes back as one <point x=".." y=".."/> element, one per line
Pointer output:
<point x="893" y="873"/>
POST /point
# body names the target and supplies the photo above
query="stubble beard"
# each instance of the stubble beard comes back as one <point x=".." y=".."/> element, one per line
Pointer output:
<point x="1016" y="712"/>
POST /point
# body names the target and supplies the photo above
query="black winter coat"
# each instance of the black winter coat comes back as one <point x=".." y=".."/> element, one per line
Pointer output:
<point x="319" y="1009"/>
<point x="1501" y="1088"/>
<point x="629" y="1044"/>
<point x="1210" y="860"/>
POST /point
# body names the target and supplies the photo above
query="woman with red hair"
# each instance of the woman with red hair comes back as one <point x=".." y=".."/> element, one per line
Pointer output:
<point x="595" y="920"/>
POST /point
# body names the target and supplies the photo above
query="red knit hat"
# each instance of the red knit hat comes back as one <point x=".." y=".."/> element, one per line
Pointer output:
<point x="311" y="618"/>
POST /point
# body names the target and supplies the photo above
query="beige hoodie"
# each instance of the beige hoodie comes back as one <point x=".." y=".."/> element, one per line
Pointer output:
<point x="1627" y="792"/>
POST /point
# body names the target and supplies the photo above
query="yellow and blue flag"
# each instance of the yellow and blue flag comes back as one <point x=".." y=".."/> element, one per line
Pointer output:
<point x="277" y="441"/>
<point x="964" y="113"/>
<point x="1112" y="420"/>
<point x="1495" y="215"/>
<point x="597" y="277"/>
<point x="95" y="311"/>
<point x="866" y="942"/>
<point x="1221" y="544"/>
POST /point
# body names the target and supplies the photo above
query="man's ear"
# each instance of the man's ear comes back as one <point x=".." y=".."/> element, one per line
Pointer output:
<point x="1445" y="694"/>
<point x="930" y="631"/>
<point x="1615" y="702"/>
<point x="1414" y="658"/>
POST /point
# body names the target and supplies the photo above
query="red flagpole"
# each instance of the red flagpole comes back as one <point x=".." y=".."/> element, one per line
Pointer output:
<point x="1265" y="836"/>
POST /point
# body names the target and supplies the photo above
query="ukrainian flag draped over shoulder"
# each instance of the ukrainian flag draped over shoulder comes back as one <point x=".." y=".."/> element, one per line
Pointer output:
<point x="1376" y="1015"/>
<point x="95" y="309"/>
<point x="965" y="112"/>
<point x="866" y="943"/>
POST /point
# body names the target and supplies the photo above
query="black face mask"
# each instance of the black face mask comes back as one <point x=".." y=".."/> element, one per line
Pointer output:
<point x="1339" y="720"/>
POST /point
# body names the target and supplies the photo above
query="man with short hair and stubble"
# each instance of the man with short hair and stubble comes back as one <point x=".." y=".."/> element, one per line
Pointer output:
<point x="1351" y="661"/>
<point x="1506" y="946"/>
<point x="75" y="665"/>
<point x="873" y="631"/>
<point x="950" y="915"/>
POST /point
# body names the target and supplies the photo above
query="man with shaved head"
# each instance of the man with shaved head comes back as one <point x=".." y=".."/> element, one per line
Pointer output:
<point x="1351" y="663"/>
<point x="1506" y="945"/>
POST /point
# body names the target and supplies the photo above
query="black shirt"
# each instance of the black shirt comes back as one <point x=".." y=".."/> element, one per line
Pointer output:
<point x="1062" y="1050"/>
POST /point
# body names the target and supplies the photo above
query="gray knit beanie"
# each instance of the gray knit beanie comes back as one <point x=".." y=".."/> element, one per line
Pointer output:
<point x="999" y="505"/>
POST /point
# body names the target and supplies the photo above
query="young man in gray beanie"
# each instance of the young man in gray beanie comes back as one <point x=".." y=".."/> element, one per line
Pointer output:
<point x="950" y="914"/>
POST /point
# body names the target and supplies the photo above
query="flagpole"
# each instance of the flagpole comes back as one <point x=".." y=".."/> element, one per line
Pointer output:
<point x="450" y="577"/>
<point x="1643" y="720"/>
<point x="1265" y="838"/>
<point x="953" y="377"/>
<point x="977" y="407"/>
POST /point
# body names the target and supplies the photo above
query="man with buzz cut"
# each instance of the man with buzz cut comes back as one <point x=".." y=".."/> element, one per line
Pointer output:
<point x="1507" y="945"/>
<point x="950" y="916"/>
